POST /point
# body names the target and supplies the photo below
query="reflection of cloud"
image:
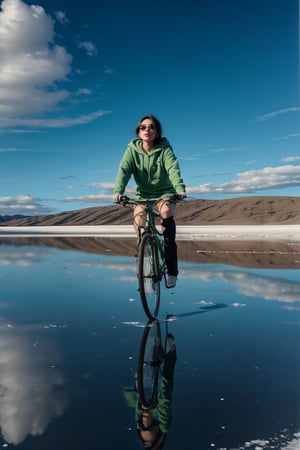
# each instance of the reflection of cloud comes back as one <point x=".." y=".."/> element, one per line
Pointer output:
<point x="13" y="256"/>
<point x="126" y="278"/>
<point x="113" y="266"/>
<point x="284" y="442"/>
<point x="253" y="285"/>
<point x="292" y="308"/>
<point x="249" y="284"/>
<point x="135" y="324"/>
<point x="267" y="288"/>
<point x="117" y="269"/>
<point x="30" y="385"/>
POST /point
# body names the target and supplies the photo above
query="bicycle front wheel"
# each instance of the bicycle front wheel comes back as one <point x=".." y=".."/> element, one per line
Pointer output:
<point x="148" y="274"/>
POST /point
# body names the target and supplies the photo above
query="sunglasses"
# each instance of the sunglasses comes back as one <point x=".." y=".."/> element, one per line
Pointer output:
<point x="147" y="127"/>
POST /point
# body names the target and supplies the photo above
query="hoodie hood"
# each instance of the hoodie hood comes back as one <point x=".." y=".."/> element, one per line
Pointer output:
<point x="136" y="145"/>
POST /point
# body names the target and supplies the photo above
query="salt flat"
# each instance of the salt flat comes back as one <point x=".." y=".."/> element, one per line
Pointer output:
<point x="289" y="233"/>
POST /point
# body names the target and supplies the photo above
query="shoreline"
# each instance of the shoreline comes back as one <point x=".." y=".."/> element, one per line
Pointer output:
<point x="184" y="232"/>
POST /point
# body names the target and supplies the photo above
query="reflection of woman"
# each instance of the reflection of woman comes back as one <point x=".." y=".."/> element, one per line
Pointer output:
<point x="153" y="424"/>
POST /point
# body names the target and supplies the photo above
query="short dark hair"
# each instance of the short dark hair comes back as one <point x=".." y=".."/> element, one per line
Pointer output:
<point x="157" y="126"/>
<point x="160" y="437"/>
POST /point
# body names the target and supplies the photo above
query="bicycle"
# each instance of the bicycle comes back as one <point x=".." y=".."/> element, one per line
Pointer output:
<point x="151" y="356"/>
<point x="151" y="266"/>
<point x="152" y="361"/>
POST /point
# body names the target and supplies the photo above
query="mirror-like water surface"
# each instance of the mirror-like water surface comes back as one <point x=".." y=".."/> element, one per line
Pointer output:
<point x="70" y="332"/>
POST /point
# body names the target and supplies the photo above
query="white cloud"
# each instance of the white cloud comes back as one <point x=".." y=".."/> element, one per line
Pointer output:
<point x="274" y="114"/>
<point x="30" y="62"/>
<point x="291" y="159"/>
<point x="17" y="131"/>
<point x="108" y="70"/>
<point x="105" y="185"/>
<point x="32" y="65"/>
<point x="58" y="122"/>
<point x="89" y="47"/>
<point x="288" y="136"/>
<point x="22" y="204"/>
<point x="254" y="181"/>
<point x="84" y="91"/>
<point x="96" y="198"/>
<point x="61" y="17"/>
<point x="9" y="150"/>
<point x="92" y="198"/>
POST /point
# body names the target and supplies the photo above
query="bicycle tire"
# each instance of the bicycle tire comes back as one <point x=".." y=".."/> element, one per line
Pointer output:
<point x="149" y="361"/>
<point x="148" y="276"/>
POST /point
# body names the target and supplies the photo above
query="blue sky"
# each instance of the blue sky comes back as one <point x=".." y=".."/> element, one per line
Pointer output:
<point x="221" y="75"/>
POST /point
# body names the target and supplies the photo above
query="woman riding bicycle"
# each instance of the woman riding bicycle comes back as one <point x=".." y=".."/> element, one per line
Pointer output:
<point x="154" y="166"/>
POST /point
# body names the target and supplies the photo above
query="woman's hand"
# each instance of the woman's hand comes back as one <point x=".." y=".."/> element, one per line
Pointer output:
<point x="181" y="195"/>
<point x="117" y="198"/>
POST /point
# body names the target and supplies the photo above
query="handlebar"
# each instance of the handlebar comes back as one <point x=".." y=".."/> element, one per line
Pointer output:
<point x="130" y="201"/>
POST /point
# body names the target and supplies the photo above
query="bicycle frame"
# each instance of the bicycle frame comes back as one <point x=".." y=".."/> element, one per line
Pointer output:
<point x="150" y="226"/>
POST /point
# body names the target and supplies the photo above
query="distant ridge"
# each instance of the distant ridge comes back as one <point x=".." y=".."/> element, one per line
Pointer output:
<point x="258" y="210"/>
<point x="7" y="218"/>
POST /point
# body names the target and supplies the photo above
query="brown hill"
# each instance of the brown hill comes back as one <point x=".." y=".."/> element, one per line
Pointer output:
<point x="258" y="210"/>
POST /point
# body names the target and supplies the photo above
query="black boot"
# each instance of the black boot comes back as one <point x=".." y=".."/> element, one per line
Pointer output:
<point x="170" y="246"/>
<point x="170" y="358"/>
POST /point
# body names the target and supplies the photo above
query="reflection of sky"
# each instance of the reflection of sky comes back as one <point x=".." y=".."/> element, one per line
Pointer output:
<point x="30" y="384"/>
<point x="251" y="283"/>
<point x="95" y="297"/>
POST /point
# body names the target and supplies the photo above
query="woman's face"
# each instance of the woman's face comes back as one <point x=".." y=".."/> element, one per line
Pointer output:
<point x="147" y="131"/>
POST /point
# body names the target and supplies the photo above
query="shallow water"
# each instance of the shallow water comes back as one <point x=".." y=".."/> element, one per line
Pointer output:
<point x="71" y="327"/>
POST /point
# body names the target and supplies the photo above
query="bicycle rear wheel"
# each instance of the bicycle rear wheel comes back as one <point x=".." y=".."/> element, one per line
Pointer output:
<point x="148" y="274"/>
<point x="150" y="359"/>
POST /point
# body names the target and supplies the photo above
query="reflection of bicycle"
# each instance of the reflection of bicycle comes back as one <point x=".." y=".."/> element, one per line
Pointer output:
<point x="154" y="383"/>
<point x="151" y="357"/>
<point x="151" y="266"/>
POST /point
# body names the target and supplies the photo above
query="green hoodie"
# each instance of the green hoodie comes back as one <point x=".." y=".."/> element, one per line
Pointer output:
<point x="162" y="410"/>
<point x="156" y="174"/>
